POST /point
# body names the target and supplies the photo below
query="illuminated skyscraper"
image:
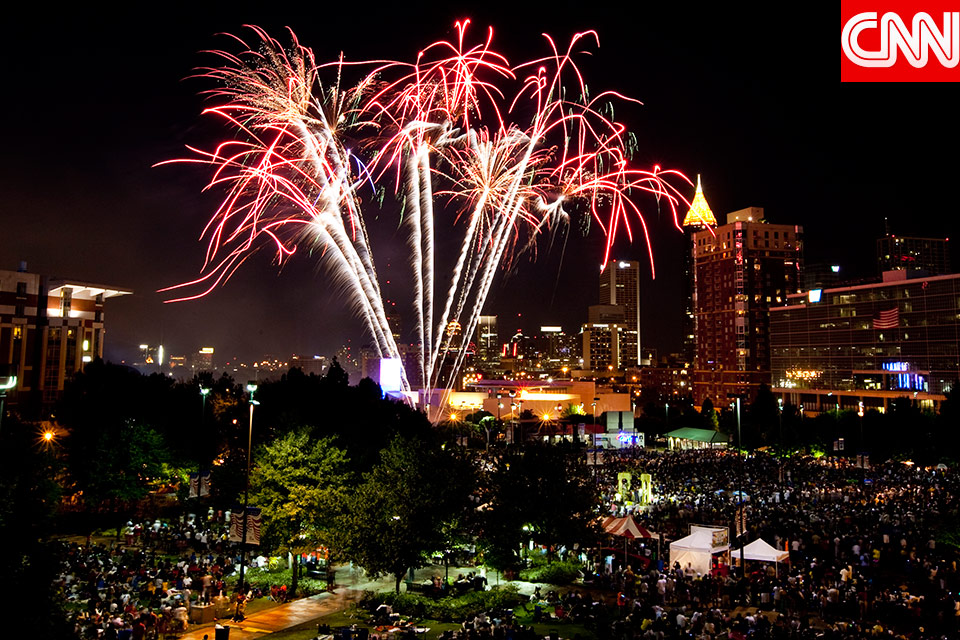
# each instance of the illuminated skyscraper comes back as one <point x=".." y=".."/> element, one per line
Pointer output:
<point x="741" y="269"/>
<point x="904" y="253"/>
<point x="698" y="218"/>
<point x="620" y="285"/>
<point x="488" y="342"/>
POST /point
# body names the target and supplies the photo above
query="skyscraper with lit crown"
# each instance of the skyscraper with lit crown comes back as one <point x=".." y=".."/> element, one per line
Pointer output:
<point x="698" y="218"/>
<point x="741" y="269"/>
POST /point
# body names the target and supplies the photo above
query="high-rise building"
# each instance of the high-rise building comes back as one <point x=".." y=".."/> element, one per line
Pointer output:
<point x="607" y="314"/>
<point x="314" y="365"/>
<point x="620" y="285"/>
<point x="861" y="346"/>
<point x="560" y="350"/>
<point x="896" y="253"/>
<point x="203" y="359"/>
<point x="601" y="346"/>
<point x="49" y="329"/>
<point x="698" y="218"/>
<point x="741" y="270"/>
<point x="488" y="342"/>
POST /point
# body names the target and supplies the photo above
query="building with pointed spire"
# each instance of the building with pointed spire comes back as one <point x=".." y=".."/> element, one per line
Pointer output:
<point x="699" y="214"/>
<point x="740" y="270"/>
<point x="698" y="218"/>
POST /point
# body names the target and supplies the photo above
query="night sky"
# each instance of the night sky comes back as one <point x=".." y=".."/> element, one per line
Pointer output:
<point x="93" y="99"/>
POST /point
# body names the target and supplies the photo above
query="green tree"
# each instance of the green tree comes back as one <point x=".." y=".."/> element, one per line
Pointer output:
<point x="709" y="415"/>
<point x="29" y="497"/>
<point x="397" y="515"/>
<point x="544" y="493"/>
<point x="118" y="463"/>
<point x="299" y="484"/>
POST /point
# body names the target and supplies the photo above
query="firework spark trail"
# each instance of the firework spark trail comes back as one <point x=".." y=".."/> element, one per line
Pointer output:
<point x="443" y="118"/>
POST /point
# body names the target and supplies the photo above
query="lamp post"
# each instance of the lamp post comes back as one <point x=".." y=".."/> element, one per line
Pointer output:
<point x="780" y="406"/>
<point x="251" y="388"/>
<point x="559" y="409"/>
<point x="595" y="400"/>
<point x="204" y="392"/>
<point x="9" y="383"/>
<point x="863" y="449"/>
<point x="739" y="512"/>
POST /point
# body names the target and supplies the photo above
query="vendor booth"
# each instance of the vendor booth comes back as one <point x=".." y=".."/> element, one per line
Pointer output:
<point x="761" y="551"/>
<point x="699" y="548"/>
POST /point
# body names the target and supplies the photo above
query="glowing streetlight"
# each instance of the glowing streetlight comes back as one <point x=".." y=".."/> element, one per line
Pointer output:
<point x="251" y="388"/>
<point x="7" y="383"/>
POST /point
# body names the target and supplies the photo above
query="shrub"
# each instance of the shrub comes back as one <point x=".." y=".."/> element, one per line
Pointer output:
<point x="450" y="609"/>
<point x="263" y="579"/>
<point x="552" y="572"/>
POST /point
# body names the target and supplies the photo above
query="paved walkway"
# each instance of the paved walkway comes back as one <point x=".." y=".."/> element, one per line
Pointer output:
<point x="283" y="616"/>
<point x="352" y="583"/>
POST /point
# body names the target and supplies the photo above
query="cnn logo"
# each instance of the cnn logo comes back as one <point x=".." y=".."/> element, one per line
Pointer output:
<point x="884" y="47"/>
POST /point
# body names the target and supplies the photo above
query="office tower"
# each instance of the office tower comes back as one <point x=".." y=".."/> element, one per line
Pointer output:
<point x="742" y="269"/>
<point x="488" y="342"/>
<point x="601" y="346"/>
<point x="698" y="218"/>
<point x="860" y="347"/>
<point x="896" y="253"/>
<point x="620" y="285"/>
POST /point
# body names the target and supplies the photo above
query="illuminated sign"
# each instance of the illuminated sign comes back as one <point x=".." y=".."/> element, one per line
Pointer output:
<point x="624" y="265"/>
<point x="896" y="366"/>
<point x="835" y="268"/>
<point x="804" y="374"/>
<point x="206" y="350"/>
<point x="814" y="295"/>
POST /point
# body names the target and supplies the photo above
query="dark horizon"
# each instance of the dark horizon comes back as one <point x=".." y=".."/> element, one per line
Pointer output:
<point x="752" y="105"/>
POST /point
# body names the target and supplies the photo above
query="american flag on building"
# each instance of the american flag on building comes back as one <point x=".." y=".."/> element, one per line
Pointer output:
<point x="889" y="319"/>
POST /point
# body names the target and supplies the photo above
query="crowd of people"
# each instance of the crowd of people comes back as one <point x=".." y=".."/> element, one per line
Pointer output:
<point x="864" y="557"/>
<point x="144" y="584"/>
<point x="869" y="556"/>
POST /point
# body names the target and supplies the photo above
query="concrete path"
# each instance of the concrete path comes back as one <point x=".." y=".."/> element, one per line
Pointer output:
<point x="352" y="584"/>
<point x="283" y="616"/>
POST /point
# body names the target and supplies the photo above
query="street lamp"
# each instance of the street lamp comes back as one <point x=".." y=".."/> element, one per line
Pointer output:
<point x="780" y="404"/>
<point x="740" y="510"/>
<point x="8" y="383"/>
<point x="204" y="392"/>
<point x="251" y="388"/>
<point x="862" y="448"/>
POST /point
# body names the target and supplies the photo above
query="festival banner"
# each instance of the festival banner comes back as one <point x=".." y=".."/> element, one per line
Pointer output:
<point x="194" y="485"/>
<point x="253" y="526"/>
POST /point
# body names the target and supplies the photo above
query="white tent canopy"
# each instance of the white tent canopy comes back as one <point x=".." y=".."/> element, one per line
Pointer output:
<point x="762" y="551"/>
<point x="698" y="548"/>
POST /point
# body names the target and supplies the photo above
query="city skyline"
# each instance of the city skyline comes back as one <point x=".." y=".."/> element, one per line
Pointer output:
<point x="83" y="201"/>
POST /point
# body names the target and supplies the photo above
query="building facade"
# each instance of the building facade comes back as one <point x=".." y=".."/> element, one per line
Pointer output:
<point x="836" y="348"/>
<point x="742" y="269"/>
<point x="700" y="217"/>
<point x="899" y="253"/>
<point x="620" y="285"/>
<point x="601" y="346"/>
<point x="488" y="343"/>
<point x="49" y="329"/>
